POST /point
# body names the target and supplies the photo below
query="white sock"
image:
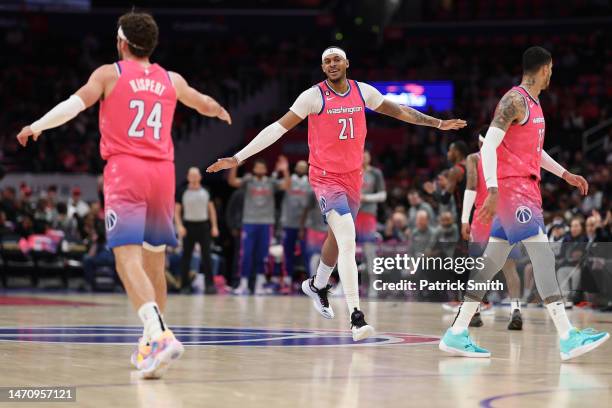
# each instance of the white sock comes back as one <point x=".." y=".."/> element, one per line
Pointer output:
<point x="152" y="320"/>
<point x="244" y="284"/>
<point x="323" y="274"/>
<point x="515" y="304"/>
<point x="343" y="227"/>
<point x="462" y="321"/>
<point x="260" y="281"/>
<point x="559" y="318"/>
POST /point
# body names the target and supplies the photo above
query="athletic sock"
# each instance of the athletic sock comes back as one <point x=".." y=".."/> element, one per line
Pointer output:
<point x="515" y="304"/>
<point x="152" y="320"/>
<point x="323" y="274"/>
<point x="559" y="318"/>
<point x="464" y="316"/>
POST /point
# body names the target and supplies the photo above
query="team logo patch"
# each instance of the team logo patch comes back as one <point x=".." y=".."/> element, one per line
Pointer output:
<point x="327" y="93"/>
<point x="209" y="336"/>
<point x="523" y="214"/>
<point x="322" y="203"/>
<point x="110" y="219"/>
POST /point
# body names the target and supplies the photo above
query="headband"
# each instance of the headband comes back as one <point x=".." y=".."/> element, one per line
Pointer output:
<point x="121" y="35"/>
<point x="333" y="50"/>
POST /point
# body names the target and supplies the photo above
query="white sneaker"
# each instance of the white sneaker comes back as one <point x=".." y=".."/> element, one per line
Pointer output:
<point x="319" y="298"/>
<point x="361" y="330"/>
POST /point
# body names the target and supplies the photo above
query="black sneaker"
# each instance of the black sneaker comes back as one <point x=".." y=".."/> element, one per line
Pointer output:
<point x="516" y="320"/>
<point x="476" y="320"/>
<point x="359" y="327"/>
<point x="319" y="297"/>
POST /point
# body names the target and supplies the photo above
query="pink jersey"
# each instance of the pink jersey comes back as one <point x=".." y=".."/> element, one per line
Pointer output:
<point x="481" y="186"/>
<point x="136" y="118"/>
<point x="520" y="152"/>
<point x="336" y="135"/>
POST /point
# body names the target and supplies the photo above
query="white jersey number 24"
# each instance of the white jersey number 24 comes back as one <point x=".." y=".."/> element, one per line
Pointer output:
<point x="153" y="120"/>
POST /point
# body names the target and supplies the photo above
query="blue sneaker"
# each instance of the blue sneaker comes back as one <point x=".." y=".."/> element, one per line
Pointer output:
<point x="462" y="345"/>
<point x="580" y="342"/>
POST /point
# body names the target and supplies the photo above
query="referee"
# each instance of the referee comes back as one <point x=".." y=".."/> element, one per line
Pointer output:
<point x="196" y="221"/>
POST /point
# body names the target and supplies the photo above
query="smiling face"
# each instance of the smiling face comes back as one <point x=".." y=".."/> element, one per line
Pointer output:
<point x="334" y="66"/>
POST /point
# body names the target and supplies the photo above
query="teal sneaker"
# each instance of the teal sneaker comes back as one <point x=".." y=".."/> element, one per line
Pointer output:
<point x="580" y="342"/>
<point x="461" y="345"/>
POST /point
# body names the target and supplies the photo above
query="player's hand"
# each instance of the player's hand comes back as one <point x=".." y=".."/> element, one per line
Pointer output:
<point x="465" y="231"/>
<point x="486" y="214"/>
<point x="225" y="116"/>
<point x="25" y="134"/>
<point x="577" y="181"/>
<point x="282" y="164"/>
<point x="453" y="124"/>
<point x="222" y="164"/>
<point x="182" y="231"/>
<point x="214" y="232"/>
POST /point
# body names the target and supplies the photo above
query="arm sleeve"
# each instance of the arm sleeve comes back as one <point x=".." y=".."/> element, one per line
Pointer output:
<point x="263" y="139"/>
<point x="373" y="98"/>
<point x="469" y="197"/>
<point x="488" y="154"/>
<point x="550" y="164"/>
<point x="310" y="101"/>
<point x="60" y="114"/>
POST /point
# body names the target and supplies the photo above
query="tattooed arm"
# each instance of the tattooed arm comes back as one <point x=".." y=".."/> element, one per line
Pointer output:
<point x="471" y="170"/>
<point x="511" y="109"/>
<point x="409" y="115"/>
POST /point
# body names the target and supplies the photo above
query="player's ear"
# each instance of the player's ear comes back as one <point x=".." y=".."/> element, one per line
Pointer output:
<point x="347" y="63"/>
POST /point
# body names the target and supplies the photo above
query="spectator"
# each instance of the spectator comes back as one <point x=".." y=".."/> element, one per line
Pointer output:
<point x="396" y="227"/>
<point x="68" y="225"/>
<point x="423" y="237"/>
<point x="416" y="204"/>
<point x="447" y="234"/>
<point x="76" y="205"/>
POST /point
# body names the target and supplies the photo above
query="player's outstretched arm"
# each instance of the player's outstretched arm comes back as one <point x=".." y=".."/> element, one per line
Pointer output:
<point x="511" y="108"/>
<point x="551" y="165"/>
<point x="204" y="104"/>
<point x="86" y="96"/>
<point x="263" y="139"/>
<point x="410" y="115"/>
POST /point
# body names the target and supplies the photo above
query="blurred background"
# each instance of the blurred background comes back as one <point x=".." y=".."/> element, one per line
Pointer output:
<point x="449" y="58"/>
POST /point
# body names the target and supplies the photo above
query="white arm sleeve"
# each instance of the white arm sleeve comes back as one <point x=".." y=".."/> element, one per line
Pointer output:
<point x="488" y="152"/>
<point x="310" y="101"/>
<point x="469" y="197"/>
<point x="550" y="164"/>
<point x="373" y="98"/>
<point x="378" y="197"/>
<point x="263" y="139"/>
<point x="60" y="114"/>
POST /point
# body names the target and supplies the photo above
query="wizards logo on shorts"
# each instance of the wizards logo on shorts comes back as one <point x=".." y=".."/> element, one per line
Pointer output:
<point x="208" y="336"/>
<point x="523" y="214"/>
<point x="110" y="219"/>
<point x="322" y="203"/>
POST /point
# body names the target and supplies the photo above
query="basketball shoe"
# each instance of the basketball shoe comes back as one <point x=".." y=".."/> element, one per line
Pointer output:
<point x="580" y="342"/>
<point x="462" y="345"/>
<point x="359" y="327"/>
<point x="165" y="349"/>
<point x="319" y="298"/>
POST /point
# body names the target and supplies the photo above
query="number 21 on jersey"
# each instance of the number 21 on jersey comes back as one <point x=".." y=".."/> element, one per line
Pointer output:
<point x="346" y="130"/>
<point x="153" y="119"/>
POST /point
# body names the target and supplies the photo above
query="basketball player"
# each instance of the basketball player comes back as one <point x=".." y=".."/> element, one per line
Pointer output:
<point x="512" y="154"/>
<point x="336" y="137"/>
<point x="137" y="105"/>
<point x="478" y="235"/>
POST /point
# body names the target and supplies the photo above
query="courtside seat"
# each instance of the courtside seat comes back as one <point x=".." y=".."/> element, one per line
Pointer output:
<point x="16" y="263"/>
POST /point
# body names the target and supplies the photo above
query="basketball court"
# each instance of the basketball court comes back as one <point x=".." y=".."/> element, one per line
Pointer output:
<point x="278" y="351"/>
